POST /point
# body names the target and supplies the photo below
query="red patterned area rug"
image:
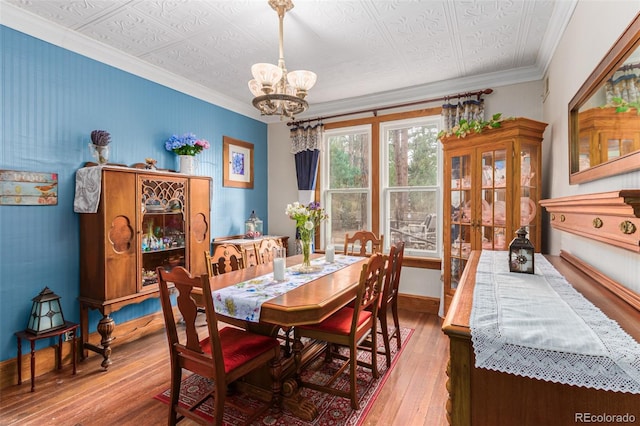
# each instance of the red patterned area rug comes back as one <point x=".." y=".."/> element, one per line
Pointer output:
<point x="333" y="410"/>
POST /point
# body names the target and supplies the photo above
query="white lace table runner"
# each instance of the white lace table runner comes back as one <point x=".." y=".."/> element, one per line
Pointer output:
<point x="539" y="326"/>
<point x="244" y="300"/>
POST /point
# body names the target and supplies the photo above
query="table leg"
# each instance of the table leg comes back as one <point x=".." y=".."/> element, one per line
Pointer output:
<point x="59" y="351"/>
<point x="105" y="328"/>
<point x="292" y="400"/>
<point x="84" y="327"/>
<point x="33" y="366"/>
<point x="19" y="360"/>
<point x="74" y="349"/>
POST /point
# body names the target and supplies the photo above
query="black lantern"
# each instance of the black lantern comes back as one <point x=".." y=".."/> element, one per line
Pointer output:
<point x="253" y="226"/>
<point x="521" y="253"/>
<point x="46" y="313"/>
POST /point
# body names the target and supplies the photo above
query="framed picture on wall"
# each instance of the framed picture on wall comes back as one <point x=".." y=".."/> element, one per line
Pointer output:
<point x="237" y="163"/>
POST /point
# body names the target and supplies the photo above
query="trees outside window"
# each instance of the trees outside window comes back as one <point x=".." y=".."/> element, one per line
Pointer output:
<point x="410" y="191"/>
<point x="384" y="179"/>
<point x="347" y="192"/>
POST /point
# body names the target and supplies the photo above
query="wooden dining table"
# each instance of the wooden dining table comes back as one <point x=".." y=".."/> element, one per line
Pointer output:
<point x="309" y="303"/>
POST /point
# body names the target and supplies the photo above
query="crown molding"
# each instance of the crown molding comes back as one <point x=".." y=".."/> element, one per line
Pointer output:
<point x="40" y="28"/>
<point x="562" y="13"/>
<point x="431" y="90"/>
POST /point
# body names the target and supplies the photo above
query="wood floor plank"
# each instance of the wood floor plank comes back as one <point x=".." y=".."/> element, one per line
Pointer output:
<point x="414" y="393"/>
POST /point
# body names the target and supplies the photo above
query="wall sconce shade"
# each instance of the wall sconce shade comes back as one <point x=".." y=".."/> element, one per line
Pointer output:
<point x="46" y="313"/>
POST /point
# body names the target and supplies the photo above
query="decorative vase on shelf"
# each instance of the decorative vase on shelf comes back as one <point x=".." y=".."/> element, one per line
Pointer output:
<point x="187" y="164"/>
<point x="100" y="153"/>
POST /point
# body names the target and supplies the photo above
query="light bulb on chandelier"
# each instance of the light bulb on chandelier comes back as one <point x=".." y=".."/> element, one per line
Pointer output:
<point x="276" y="91"/>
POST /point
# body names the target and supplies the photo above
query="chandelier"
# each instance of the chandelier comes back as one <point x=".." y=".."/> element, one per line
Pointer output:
<point x="276" y="91"/>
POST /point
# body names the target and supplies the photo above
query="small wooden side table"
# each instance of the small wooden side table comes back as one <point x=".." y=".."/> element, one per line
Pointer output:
<point x="69" y="327"/>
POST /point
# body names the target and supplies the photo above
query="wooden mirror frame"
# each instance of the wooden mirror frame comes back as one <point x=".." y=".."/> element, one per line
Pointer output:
<point x="628" y="42"/>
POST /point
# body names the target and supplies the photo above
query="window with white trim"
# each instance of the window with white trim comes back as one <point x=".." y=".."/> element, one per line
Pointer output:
<point x="346" y="171"/>
<point x="407" y="178"/>
<point x="410" y="184"/>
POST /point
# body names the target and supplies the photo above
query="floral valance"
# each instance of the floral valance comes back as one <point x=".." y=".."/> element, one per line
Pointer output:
<point x="306" y="138"/>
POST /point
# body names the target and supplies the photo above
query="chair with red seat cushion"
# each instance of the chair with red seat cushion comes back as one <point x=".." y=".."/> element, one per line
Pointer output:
<point x="389" y="298"/>
<point x="348" y="327"/>
<point x="223" y="356"/>
<point x="363" y="243"/>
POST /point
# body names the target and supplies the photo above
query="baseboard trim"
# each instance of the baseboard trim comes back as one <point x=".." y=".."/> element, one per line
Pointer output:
<point x="412" y="302"/>
<point x="46" y="357"/>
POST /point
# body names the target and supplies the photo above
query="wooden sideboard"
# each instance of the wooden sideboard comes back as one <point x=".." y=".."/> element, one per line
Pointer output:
<point x="483" y="397"/>
<point x="248" y="244"/>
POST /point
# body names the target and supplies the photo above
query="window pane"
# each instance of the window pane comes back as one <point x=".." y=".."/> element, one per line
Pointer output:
<point x="347" y="214"/>
<point x="349" y="161"/>
<point x="413" y="156"/>
<point x="412" y="219"/>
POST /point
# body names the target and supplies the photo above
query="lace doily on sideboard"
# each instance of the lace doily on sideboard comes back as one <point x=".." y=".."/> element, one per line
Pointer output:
<point x="539" y="326"/>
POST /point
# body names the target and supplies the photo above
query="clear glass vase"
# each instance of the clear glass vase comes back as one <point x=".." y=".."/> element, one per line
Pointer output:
<point x="100" y="153"/>
<point x="305" y="248"/>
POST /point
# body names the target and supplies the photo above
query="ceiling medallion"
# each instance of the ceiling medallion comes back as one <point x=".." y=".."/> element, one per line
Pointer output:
<point x="276" y="91"/>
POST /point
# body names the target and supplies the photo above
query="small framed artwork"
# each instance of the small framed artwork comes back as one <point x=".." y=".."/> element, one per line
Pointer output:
<point x="18" y="188"/>
<point x="237" y="163"/>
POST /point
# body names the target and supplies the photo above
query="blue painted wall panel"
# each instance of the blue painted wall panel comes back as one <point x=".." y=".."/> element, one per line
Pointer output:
<point x="51" y="100"/>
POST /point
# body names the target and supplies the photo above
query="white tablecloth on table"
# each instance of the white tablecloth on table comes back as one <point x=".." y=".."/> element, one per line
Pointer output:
<point x="539" y="326"/>
<point x="244" y="300"/>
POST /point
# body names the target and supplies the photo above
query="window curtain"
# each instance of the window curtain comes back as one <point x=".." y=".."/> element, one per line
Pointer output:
<point x="305" y="145"/>
<point x="469" y="109"/>
<point x="624" y="84"/>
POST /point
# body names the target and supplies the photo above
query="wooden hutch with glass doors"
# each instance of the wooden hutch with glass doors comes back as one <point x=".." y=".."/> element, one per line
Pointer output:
<point x="605" y="135"/>
<point x="492" y="186"/>
<point x="145" y="219"/>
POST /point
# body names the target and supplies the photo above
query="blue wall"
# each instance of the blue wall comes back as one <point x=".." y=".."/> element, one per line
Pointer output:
<point x="51" y="101"/>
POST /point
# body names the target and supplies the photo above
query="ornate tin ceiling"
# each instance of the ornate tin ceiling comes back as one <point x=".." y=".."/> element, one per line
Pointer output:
<point x="365" y="52"/>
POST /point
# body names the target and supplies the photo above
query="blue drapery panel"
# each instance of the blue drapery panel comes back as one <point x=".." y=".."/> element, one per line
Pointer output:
<point x="305" y="145"/>
<point x="307" y="169"/>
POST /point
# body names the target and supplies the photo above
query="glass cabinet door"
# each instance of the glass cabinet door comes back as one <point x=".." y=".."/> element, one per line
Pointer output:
<point x="493" y="199"/>
<point x="163" y="240"/>
<point x="461" y="216"/>
<point x="529" y="191"/>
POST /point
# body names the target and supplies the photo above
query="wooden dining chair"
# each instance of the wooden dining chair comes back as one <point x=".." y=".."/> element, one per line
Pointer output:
<point x="225" y="258"/>
<point x="223" y="356"/>
<point x="264" y="249"/>
<point x="389" y="298"/>
<point x="349" y="327"/>
<point x="363" y="243"/>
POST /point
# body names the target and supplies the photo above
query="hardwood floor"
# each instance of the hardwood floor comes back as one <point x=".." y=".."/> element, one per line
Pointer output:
<point x="414" y="393"/>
